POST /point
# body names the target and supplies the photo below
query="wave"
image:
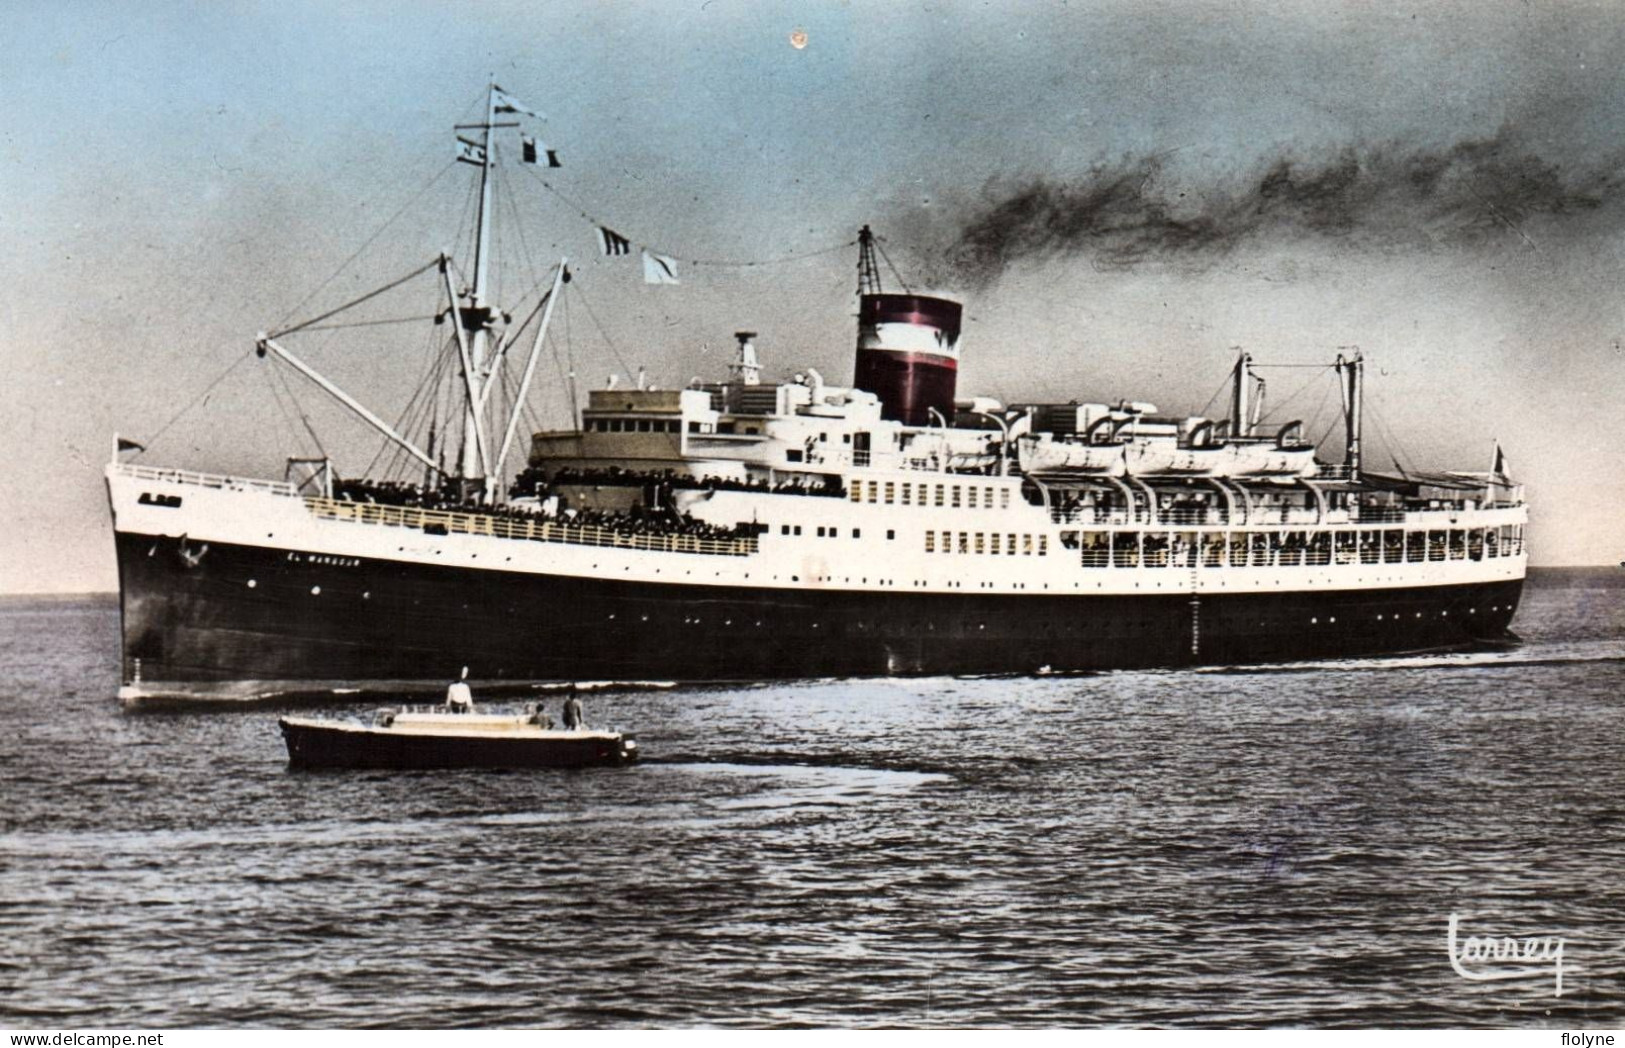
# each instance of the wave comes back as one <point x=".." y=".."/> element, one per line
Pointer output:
<point x="1553" y="655"/>
<point x="785" y="761"/>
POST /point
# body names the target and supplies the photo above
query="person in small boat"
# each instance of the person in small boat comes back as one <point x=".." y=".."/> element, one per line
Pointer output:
<point x="539" y="717"/>
<point x="459" y="699"/>
<point x="572" y="715"/>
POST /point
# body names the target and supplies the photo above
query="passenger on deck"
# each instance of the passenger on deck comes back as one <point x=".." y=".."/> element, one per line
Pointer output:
<point x="539" y="717"/>
<point x="459" y="699"/>
<point x="572" y="715"/>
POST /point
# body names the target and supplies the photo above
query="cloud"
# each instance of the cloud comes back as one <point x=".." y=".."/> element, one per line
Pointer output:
<point x="1144" y="209"/>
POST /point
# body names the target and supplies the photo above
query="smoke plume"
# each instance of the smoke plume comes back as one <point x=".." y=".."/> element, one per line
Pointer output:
<point x="1137" y="210"/>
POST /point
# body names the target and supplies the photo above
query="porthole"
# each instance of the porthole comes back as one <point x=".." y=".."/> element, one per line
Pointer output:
<point x="252" y="584"/>
<point x="315" y="591"/>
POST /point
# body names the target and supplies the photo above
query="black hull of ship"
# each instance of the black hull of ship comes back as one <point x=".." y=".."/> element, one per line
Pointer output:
<point x="192" y="620"/>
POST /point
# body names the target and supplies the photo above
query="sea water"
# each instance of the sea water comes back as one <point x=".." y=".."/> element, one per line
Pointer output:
<point x="1279" y="845"/>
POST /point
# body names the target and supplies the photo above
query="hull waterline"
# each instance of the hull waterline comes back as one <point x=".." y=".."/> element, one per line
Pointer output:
<point x="195" y="626"/>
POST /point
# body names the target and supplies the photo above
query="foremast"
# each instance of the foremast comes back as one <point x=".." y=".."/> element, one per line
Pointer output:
<point x="479" y="468"/>
<point x="475" y="317"/>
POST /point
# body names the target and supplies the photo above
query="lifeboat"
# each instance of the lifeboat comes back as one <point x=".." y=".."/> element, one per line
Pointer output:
<point x="1269" y="460"/>
<point x="1168" y="458"/>
<point x="1051" y="456"/>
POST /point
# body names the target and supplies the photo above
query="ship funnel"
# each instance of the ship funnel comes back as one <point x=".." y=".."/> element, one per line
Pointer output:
<point x="908" y="345"/>
<point x="908" y="355"/>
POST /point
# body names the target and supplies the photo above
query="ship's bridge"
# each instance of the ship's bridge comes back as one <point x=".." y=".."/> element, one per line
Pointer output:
<point x="731" y="429"/>
<point x="644" y="429"/>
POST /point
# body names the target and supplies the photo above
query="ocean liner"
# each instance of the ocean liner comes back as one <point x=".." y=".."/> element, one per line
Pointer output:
<point x="745" y="529"/>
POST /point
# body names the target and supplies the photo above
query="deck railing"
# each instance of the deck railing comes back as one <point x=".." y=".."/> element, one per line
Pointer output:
<point x="203" y="480"/>
<point x="1265" y="555"/>
<point x="444" y="522"/>
<point x="1216" y="515"/>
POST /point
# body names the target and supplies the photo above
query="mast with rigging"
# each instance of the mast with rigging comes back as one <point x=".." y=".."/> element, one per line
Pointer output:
<point x="479" y="468"/>
<point x="1351" y="371"/>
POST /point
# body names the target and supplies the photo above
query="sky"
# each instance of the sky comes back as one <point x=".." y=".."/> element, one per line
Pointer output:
<point x="1120" y="193"/>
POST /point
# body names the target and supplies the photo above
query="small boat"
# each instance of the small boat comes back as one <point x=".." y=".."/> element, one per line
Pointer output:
<point x="445" y="737"/>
